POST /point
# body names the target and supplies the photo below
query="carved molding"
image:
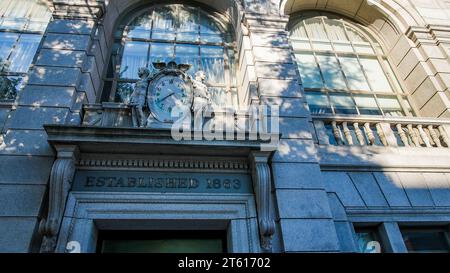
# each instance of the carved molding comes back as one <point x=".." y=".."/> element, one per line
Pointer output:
<point x="61" y="177"/>
<point x="262" y="185"/>
<point x="165" y="163"/>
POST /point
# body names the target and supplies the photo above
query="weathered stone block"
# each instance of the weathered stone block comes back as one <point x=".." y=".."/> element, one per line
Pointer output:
<point x="369" y="190"/>
<point x="16" y="234"/>
<point x="392" y="189"/>
<point x="303" y="235"/>
<point x="305" y="204"/>
<point x="340" y="183"/>
<point x="21" y="200"/>
<point x="297" y="176"/>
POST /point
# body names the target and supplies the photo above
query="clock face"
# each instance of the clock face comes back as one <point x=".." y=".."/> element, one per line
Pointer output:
<point x="169" y="92"/>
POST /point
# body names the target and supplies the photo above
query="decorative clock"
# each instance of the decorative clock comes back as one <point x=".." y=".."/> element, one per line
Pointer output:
<point x="170" y="88"/>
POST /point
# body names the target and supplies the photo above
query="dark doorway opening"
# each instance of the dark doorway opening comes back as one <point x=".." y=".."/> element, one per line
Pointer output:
<point x="151" y="241"/>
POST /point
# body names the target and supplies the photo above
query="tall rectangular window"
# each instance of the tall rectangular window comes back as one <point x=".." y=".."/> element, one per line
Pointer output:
<point x="427" y="240"/>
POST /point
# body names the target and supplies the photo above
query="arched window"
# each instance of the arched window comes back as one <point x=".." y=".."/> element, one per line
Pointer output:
<point x="22" y="25"/>
<point x="344" y="69"/>
<point x="188" y="35"/>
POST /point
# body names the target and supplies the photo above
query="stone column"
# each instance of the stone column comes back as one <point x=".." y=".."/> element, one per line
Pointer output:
<point x="65" y="75"/>
<point x="304" y="219"/>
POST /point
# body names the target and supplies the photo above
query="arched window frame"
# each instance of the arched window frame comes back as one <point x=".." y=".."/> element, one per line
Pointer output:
<point x="15" y="32"/>
<point x="398" y="89"/>
<point x="112" y="78"/>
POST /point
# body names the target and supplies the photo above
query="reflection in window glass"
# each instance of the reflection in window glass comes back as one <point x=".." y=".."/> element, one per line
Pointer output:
<point x="336" y="55"/>
<point x="426" y="240"/>
<point x="331" y="72"/>
<point x="22" y="23"/>
<point x="309" y="71"/>
<point x="24" y="52"/>
<point x="343" y="104"/>
<point x="354" y="74"/>
<point x="162" y="52"/>
<point x="367" y="105"/>
<point x="391" y="106"/>
<point x="134" y="57"/>
<point x="376" y="75"/>
<point x="213" y="63"/>
<point x="178" y="33"/>
<point x="318" y="104"/>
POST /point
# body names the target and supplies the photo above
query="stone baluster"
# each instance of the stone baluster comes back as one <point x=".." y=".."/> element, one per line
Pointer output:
<point x="435" y="136"/>
<point x="381" y="135"/>
<point x="413" y="135"/>
<point x="347" y="133"/>
<point x="444" y="136"/>
<point x="424" y="136"/>
<point x="369" y="133"/>
<point x="336" y="133"/>
<point x="359" y="134"/>
<point x="402" y="135"/>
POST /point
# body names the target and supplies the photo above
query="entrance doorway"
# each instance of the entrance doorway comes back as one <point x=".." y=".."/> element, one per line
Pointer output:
<point x="178" y="241"/>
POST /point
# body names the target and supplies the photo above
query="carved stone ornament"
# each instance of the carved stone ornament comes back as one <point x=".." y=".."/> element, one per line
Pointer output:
<point x="167" y="95"/>
<point x="61" y="177"/>
<point x="262" y="186"/>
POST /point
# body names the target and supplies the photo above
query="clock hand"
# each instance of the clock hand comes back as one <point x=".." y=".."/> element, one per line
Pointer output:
<point x="166" y="97"/>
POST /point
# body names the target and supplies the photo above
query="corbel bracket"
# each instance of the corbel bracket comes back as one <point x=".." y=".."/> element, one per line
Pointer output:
<point x="262" y="185"/>
<point x="61" y="178"/>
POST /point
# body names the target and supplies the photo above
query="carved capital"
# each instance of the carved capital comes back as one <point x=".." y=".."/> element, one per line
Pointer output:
<point x="61" y="178"/>
<point x="262" y="185"/>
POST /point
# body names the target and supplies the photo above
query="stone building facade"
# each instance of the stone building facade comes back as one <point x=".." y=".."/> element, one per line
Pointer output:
<point x="364" y="118"/>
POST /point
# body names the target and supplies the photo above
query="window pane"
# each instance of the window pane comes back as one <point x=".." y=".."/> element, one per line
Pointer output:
<point x="188" y="29"/>
<point x="164" y="23"/>
<point x="376" y="75"/>
<point x="188" y="54"/>
<point x="299" y="31"/>
<point x="9" y="86"/>
<point x="315" y="29"/>
<point x="140" y="28"/>
<point x="354" y="36"/>
<point x="367" y="105"/>
<point x="354" y="73"/>
<point x="331" y="72"/>
<point x="309" y="70"/>
<point x="336" y="30"/>
<point x="390" y="106"/>
<point x="124" y="90"/>
<point x="426" y="241"/>
<point x="213" y="63"/>
<point x="160" y="52"/>
<point x="318" y="103"/>
<point x="24" y="52"/>
<point x="7" y="41"/>
<point x="209" y="31"/>
<point x="343" y="104"/>
<point x="299" y="45"/>
<point x="134" y="57"/>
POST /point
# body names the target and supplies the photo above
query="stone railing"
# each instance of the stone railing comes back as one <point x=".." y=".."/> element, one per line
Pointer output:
<point x="388" y="132"/>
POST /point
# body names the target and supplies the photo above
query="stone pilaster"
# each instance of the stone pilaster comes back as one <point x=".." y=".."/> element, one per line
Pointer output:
<point x="65" y="74"/>
<point x="304" y="217"/>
